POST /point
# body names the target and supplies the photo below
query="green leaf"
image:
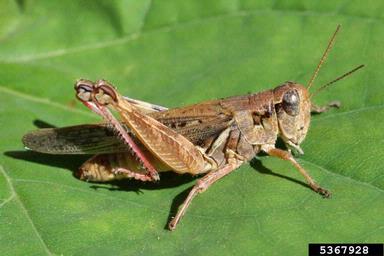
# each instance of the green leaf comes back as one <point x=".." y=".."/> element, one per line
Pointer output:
<point x="175" y="53"/>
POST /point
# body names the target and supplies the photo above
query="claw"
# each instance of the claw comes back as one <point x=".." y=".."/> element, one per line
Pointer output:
<point x="325" y="193"/>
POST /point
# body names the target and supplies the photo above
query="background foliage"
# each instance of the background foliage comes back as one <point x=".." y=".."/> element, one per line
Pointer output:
<point x="175" y="53"/>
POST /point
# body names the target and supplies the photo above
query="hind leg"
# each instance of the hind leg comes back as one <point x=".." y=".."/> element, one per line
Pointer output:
<point x="107" y="167"/>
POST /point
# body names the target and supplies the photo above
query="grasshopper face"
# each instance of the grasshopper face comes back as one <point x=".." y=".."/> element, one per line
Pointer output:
<point x="293" y="109"/>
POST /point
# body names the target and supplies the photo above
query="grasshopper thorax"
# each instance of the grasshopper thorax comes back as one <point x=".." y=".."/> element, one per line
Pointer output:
<point x="293" y="110"/>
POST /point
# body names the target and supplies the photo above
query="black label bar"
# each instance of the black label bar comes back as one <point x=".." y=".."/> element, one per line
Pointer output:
<point x="345" y="249"/>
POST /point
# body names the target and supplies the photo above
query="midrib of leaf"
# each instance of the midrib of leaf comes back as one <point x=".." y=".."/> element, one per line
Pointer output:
<point x="14" y="196"/>
<point x="66" y="51"/>
<point x="178" y="25"/>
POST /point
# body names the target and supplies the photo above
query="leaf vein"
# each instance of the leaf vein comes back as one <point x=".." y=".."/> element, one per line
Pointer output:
<point x="353" y="111"/>
<point x="166" y="28"/>
<point x="7" y="200"/>
<point x="25" y="211"/>
<point x="88" y="192"/>
<point x="343" y="176"/>
<point x="43" y="101"/>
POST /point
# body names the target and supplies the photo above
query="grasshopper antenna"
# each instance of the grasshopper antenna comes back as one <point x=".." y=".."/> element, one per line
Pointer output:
<point x="337" y="79"/>
<point x="324" y="57"/>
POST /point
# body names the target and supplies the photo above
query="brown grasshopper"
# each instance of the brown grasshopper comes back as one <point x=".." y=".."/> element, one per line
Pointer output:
<point x="213" y="137"/>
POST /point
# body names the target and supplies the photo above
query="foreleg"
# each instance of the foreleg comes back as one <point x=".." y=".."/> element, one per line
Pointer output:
<point x="285" y="155"/>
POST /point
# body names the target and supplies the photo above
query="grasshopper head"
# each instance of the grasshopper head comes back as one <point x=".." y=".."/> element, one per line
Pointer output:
<point x="293" y="109"/>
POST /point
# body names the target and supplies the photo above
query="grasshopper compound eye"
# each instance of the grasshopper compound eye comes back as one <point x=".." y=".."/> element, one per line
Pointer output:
<point x="291" y="103"/>
<point x="105" y="93"/>
<point x="84" y="89"/>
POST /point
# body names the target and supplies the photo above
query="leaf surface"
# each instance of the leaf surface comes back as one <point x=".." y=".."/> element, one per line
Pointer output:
<point x="175" y="53"/>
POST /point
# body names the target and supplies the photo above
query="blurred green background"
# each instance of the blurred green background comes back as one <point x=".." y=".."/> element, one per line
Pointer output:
<point x="175" y="53"/>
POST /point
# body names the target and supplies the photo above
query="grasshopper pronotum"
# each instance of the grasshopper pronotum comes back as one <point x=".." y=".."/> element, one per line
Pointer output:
<point x="212" y="138"/>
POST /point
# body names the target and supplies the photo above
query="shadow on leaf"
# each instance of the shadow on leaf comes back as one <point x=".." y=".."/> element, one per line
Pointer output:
<point x="42" y="124"/>
<point x="168" y="180"/>
<point x="71" y="162"/>
<point x="258" y="166"/>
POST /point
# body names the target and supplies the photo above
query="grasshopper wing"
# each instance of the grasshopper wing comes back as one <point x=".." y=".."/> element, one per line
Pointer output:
<point x="145" y="107"/>
<point x="83" y="139"/>
<point x="166" y="144"/>
<point x="102" y="138"/>
<point x="200" y="124"/>
<point x="80" y="139"/>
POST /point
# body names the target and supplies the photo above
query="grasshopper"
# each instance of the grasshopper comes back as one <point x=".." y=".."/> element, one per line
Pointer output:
<point x="214" y="137"/>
